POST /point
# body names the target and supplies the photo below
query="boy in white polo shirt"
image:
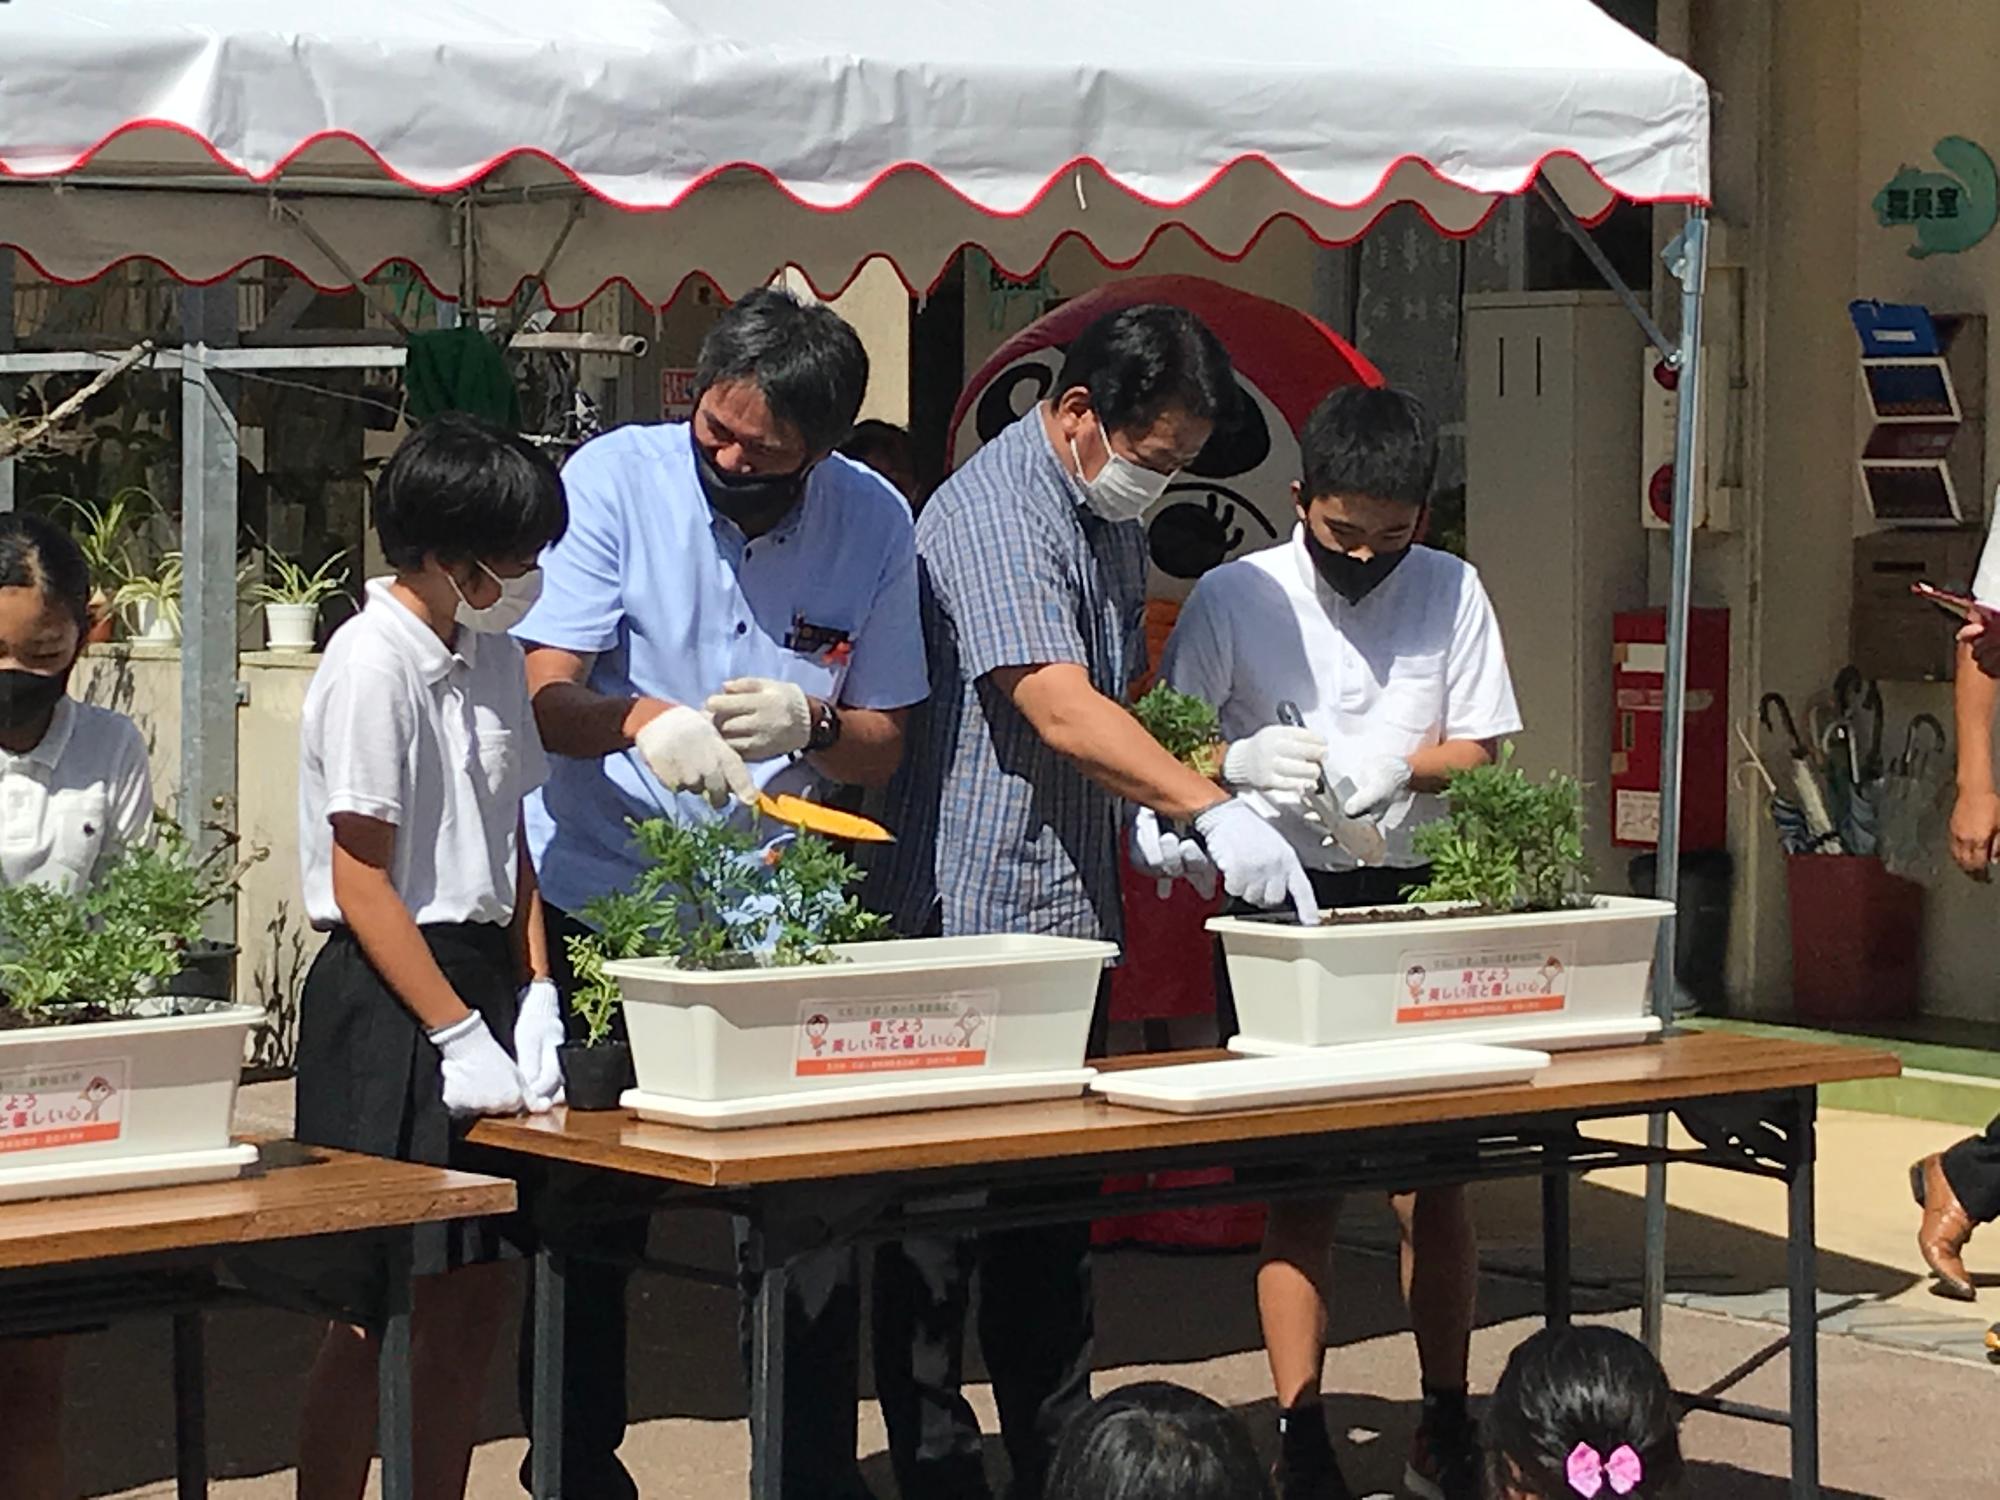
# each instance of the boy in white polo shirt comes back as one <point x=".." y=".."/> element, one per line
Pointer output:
<point x="1392" y="655"/>
<point x="430" y="1002"/>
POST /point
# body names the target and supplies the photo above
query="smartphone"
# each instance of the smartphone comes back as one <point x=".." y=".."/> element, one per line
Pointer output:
<point x="1964" y="606"/>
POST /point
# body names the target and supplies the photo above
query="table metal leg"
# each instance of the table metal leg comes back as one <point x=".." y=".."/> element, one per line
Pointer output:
<point x="545" y="1477"/>
<point x="1802" y="1263"/>
<point x="396" y="1401"/>
<point x="190" y="1408"/>
<point x="767" y="1377"/>
<point x="1556" y="1276"/>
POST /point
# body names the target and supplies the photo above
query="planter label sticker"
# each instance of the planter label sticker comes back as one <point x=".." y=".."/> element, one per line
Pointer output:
<point x="951" y="1030"/>
<point x="1461" y="985"/>
<point x="64" y="1104"/>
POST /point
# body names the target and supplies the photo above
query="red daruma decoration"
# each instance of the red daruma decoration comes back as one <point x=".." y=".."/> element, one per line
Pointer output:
<point x="1235" y="498"/>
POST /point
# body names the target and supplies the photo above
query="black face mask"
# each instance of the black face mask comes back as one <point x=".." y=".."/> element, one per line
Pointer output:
<point x="1350" y="577"/>
<point x="27" y="696"/>
<point x="755" y="502"/>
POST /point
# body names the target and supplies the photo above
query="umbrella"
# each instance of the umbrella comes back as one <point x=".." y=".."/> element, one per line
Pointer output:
<point x="1806" y="790"/>
<point x="1794" y="836"/>
<point x="1911" y="804"/>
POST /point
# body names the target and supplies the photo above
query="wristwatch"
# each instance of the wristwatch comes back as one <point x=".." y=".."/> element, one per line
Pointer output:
<point x="825" y="726"/>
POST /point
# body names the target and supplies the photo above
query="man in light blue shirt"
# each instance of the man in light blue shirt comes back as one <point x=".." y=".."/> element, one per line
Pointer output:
<point x="734" y="607"/>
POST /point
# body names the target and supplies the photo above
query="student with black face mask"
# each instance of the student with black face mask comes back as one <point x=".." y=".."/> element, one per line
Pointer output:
<point x="1391" y="655"/>
<point x="74" y="791"/>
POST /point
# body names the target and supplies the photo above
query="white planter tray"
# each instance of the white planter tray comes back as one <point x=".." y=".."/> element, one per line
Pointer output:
<point x="1562" y="978"/>
<point x="121" y="1104"/>
<point x="1545" y="1036"/>
<point x="904" y="1016"/>
<point x="1314" y="1076"/>
<point x="860" y="1099"/>
<point x="164" y="1169"/>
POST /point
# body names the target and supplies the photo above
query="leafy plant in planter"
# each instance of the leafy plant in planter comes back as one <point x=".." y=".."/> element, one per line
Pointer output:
<point x="1507" y="843"/>
<point x="103" y="953"/>
<point x="154" y="600"/>
<point x="708" y="898"/>
<point x="292" y="597"/>
<point x="1188" y="728"/>
<point x="106" y="534"/>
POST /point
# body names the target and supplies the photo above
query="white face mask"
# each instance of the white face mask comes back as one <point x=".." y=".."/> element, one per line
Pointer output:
<point x="1122" y="490"/>
<point x="517" y="597"/>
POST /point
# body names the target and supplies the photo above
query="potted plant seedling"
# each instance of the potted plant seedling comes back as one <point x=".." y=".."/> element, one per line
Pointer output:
<point x="120" y="1078"/>
<point x="292" y="597"/>
<point x="151" y="602"/>
<point x="755" y="986"/>
<point x="1186" y="726"/>
<point x="106" y="534"/>
<point x="1505" y="943"/>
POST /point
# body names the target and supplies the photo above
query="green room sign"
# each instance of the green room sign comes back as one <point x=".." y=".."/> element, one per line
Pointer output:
<point x="1952" y="210"/>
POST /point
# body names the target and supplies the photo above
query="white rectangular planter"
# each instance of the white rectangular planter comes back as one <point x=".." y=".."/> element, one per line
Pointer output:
<point x="906" y="1024"/>
<point x="118" y="1104"/>
<point x="1546" y="979"/>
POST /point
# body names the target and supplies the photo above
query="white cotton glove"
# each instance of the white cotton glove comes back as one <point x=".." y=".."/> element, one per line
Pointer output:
<point x="479" y="1077"/>
<point x="1168" y="856"/>
<point x="683" y="749"/>
<point x="538" y="1031"/>
<point x="1368" y="786"/>
<point x="1277" y="758"/>
<point x="761" y="718"/>
<point x="1257" y="862"/>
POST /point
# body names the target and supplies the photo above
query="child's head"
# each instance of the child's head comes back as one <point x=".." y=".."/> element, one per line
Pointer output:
<point x="1368" y="456"/>
<point x="1156" y="1442"/>
<point x="470" y="500"/>
<point x="44" y="615"/>
<point x="1582" y="1412"/>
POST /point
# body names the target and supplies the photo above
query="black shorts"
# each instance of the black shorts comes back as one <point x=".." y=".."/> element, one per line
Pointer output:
<point x="370" y="1081"/>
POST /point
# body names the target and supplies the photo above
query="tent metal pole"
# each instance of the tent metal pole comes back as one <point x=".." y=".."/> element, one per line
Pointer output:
<point x="1687" y="260"/>
<point x="1594" y="253"/>
<point x="7" y="387"/>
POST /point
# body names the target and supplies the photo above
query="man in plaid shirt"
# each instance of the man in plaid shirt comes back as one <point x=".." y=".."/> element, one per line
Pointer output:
<point x="1031" y="567"/>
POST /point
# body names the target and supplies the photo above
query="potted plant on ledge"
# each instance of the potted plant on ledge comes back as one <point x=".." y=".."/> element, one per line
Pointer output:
<point x="1505" y="944"/>
<point x="115" y="1079"/>
<point x="292" y="597"/>
<point x="755" y="989"/>
<point x="151" y="602"/>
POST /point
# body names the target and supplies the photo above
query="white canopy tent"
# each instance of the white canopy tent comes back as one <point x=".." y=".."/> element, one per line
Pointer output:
<point x="733" y="139"/>
<point x="494" y="143"/>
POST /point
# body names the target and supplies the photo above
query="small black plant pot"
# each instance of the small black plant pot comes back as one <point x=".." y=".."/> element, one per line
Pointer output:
<point x="594" y="1077"/>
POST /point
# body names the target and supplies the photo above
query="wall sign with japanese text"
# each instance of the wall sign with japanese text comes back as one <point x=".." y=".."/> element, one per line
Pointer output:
<point x="1951" y="209"/>
<point x="1460" y="984"/>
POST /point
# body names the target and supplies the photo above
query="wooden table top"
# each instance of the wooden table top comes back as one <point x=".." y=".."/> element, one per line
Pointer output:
<point x="295" y="1191"/>
<point x="1623" y="1080"/>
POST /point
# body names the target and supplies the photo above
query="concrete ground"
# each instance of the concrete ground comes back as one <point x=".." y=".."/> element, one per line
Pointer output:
<point x="1903" y="1374"/>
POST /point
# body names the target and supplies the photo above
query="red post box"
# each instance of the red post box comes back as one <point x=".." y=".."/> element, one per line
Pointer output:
<point x="1639" y="677"/>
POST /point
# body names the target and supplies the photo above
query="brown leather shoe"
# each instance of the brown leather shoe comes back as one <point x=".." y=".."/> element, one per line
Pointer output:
<point x="1947" y="1226"/>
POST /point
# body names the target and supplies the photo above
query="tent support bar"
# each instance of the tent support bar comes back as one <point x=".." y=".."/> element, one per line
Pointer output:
<point x="1687" y="260"/>
<point x="368" y="294"/>
<point x="1573" y="227"/>
<point x="7" y="387"/>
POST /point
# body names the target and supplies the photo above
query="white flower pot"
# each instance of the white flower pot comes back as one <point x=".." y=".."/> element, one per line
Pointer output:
<point x="152" y="624"/>
<point x="910" y="1024"/>
<point x="1547" y="979"/>
<point x="290" y="627"/>
<point x="121" y="1104"/>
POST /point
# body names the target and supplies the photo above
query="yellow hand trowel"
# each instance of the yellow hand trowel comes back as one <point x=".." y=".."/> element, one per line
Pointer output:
<point x="815" y="818"/>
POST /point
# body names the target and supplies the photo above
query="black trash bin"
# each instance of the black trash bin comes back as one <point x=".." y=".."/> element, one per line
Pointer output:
<point x="1701" y="924"/>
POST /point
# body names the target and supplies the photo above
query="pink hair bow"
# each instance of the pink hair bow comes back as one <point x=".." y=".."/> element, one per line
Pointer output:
<point x="1589" y="1473"/>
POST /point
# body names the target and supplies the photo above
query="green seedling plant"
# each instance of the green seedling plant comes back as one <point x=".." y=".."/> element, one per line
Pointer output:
<point x="290" y="583"/>
<point x="1188" y="728"/>
<point x="97" y="953"/>
<point x="1507" y="843"/>
<point x="710" y="898"/>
